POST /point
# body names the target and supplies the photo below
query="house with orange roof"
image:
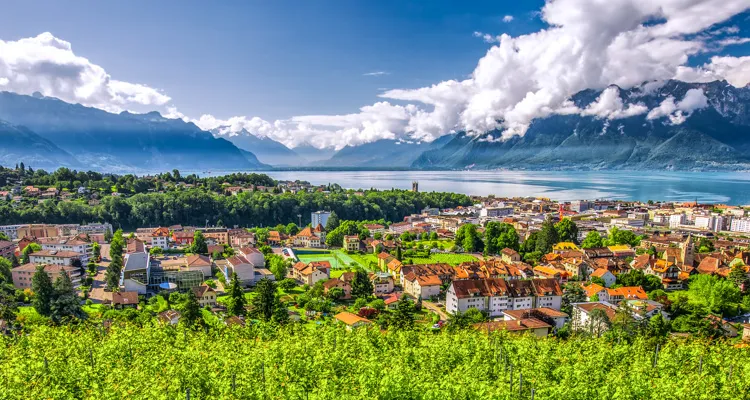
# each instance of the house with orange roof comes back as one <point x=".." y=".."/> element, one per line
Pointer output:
<point x="535" y="326"/>
<point x="310" y="237"/>
<point x="667" y="271"/>
<point x="160" y="238"/>
<point x="606" y="276"/>
<point x="593" y="289"/>
<point x="546" y="271"/>
<point x="383" y="259"/>
<point x="351" y="321"/>
<point x="424" y="286"/>
<point x="312" y="272"/>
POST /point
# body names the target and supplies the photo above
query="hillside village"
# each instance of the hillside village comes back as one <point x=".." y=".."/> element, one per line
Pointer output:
<point x="520" y="265"/>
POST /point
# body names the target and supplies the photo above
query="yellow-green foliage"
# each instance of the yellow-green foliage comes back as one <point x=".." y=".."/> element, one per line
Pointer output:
<point x="330" y="363"/>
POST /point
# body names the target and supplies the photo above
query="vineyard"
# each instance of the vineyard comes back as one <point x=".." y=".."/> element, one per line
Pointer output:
<point x="265" y="362"/>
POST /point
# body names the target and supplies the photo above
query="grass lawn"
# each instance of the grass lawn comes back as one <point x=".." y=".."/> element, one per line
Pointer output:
<point x="452" y="259"/>
<point x="93" y="310"/>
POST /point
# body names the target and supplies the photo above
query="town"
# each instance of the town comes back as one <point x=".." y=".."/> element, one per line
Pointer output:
<point x="522" y="265"/>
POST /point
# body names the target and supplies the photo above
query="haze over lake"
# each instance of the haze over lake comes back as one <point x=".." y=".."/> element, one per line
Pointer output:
<point x="707" y="187"/>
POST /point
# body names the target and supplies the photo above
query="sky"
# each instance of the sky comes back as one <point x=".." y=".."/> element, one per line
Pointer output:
<point x="337" y="73"/>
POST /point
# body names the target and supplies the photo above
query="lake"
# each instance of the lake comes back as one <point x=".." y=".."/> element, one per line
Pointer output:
<point x="707" y="187"/>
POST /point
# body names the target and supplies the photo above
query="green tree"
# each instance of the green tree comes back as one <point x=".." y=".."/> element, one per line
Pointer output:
<point x="335" y="238"/>
<point x="96" y="252"/>
<point x="199" y="243"/>
<point x="8" y="303"/>
<point x="567" y="231"/>
<point x="191" y="309"/>
<point x="44" y="293"/>
<point x="498" y="236"/>
<point x="619" y="236"/>
<point x="468" y="238"/>
<point x="291" y="229"/>
<point x="547" y="237"/>
<point x="402" y="317"/>
<point x="658" y="326"/>
<point x="30" y="248"/>
<point x="265" y="300"/>
<point x="592" y="240"/>
<point x="333" y="222"/>
<point x="433" y="236"/>
<point x="66" y="305"/>
<point x="278" y="265"/>
<point x="335" y="293"/>
<point x="572" y="293"/>
<point x="361" y="284"/>
<point x="705" y="245"/>
<point x="116" y="247"/>
<point x="738" y="276"/>
<point x="236" y="303"/>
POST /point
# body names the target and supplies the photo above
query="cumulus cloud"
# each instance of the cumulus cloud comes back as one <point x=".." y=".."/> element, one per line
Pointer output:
<point x="586" y="44"/>
<point x="508" y="18"/>
<point x="735" y="70"/>
<point x="48" y="65"/>
<point x="678" y="112"/>
<point x="609" y="105"/>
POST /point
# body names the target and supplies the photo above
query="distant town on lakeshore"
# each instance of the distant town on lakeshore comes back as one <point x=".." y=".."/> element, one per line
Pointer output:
<point x="515" y="264"/>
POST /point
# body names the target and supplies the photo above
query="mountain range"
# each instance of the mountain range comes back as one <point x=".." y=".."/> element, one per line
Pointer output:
<point x="47" y="132"/>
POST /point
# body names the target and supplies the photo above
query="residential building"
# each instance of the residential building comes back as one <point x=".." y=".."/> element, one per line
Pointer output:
<point x="510" y="255"/>
<point x="95" y="228"/>
<point x="346" y="287"/>
<point x="399" y="228"/>
<point x="136" y="272"/>
<point x="422" y="286"/>
<point x="534" y="326"/>
<point x="382" y="283"/>
<point x="160" y="238"/>
<point x="241" y="238"/>
<point x="239" y="265"/>
<point x="7" y="249"/>
<point x="11" y="231"/>
<point x="606" y="276"/>
<point x="310" y="237"/>
<point x="495" y="295"/>
<point x="540" y="313"/>
<point x="67" y="244"/>
<point x="319" y="218"/>
<point x="713" y="222"/>
<point x="676" y="220"/>
<point x="580" y="206"/>
<point x="580" y="320"/>
<point x="198" y="262"/>
<point x="667" y="271"/>
<point x="218" y="235"/>
<point x="740" y="225"/>
<point x="37" y="231"/>
<point x="351" y="321"/>
<point x="54" y="257"/>
<point x="310" y="273"/>
<point x="183" y="238"/>
<point x="125" y="300"/>
<point x="170" y="317"/>
<point x="375" y="228"/>
<point x="254" y="256"/>
<point x="206" y="295"/>
<point x="351" y="242"/>
<point x="22" y="275"/>
<point x="495" y="212"/>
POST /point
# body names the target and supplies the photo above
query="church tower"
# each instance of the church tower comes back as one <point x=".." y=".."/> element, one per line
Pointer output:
<point x="687" y="251"/>
<point x="414" y="186"/>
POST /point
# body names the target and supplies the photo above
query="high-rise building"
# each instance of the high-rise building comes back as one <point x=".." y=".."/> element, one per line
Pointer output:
<point x="319" y="218"/>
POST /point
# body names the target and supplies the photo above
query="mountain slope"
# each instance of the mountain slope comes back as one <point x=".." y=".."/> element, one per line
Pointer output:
<point x="121" y="142"/>
<point x="714" y="137"/>
<point x="267" y="150"/>
<point x="19" y="144"/>
<point x="383" y="153"/>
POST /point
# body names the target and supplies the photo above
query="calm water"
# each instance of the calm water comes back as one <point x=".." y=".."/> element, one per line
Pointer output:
<point x="708" y="187"/>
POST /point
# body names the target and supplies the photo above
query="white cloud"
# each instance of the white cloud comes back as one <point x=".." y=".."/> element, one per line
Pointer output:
<point x="609" y="105"/>
<point x="376" y="73"/>
<point x="508" y="18"/>
<point x="678" y="112"/>
<point x="735" y="70"/>
<point x="487" y="37"/>
<point x="48" y="65"/>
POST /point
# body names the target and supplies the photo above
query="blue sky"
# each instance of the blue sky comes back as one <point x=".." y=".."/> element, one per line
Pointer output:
<point x="297" y="71"/>
<point x="275" y="59"/>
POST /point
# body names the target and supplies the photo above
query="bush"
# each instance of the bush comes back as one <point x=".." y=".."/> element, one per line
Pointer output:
<point x="287" y="284"/>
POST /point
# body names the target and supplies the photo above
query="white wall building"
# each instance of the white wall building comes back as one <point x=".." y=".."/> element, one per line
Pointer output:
<point x="740" y="225"/>
<point x="496" y="295"/>
<point x="319" y="218"/>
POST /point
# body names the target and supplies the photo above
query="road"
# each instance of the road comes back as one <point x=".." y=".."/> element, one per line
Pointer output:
<point x="434" y="308"/>
<point x="97" y="294"/>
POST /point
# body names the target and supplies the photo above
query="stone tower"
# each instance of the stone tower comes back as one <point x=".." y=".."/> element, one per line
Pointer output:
<point x="687" y="251"/>
<point x="414" y="186"/>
